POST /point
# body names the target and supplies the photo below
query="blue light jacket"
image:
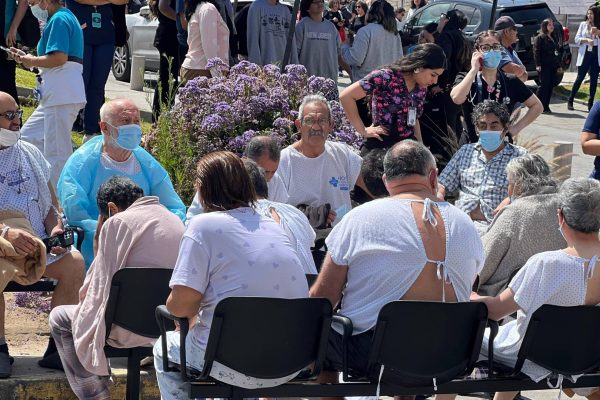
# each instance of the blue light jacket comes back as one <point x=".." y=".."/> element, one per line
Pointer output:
<point x="82" y="176"/>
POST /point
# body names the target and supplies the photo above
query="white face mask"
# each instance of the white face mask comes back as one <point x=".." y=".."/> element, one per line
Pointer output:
<point x="41" y="15"/>
<point x="8" y="137"/>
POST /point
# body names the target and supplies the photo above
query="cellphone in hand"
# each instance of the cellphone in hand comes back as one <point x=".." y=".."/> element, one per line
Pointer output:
<point x="11" y="52"/>
<point x="62" y="240"/>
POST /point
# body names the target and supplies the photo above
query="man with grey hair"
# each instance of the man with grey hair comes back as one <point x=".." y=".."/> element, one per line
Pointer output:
<point x="264" y="151"/>
<point x="478" y="170"/>
<point x="408" y="246"/>
<point x="316" y="171"/>
<point x="116" y="152"/>
<point x="293" y="222"/>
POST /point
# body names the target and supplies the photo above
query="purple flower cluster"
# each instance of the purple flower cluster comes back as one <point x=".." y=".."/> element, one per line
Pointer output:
<point x="225" y="112"/>
<point x="33" y="300"/>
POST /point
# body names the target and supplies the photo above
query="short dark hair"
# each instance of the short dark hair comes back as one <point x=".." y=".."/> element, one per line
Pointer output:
<point x="491" y="107"/>
<point x="223" y="183"/>
<point x="484" y="34"/>
<point x="257" y="177"/>
<point x="407" y="158"/>
<point x="261" y="145"/>
<point x="372" y="172"/>
<point x="119" y="190"/>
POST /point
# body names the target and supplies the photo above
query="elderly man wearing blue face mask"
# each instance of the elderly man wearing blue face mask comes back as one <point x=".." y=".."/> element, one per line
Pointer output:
<point x="484" y="81"/>
<point x="116" y="152"/>
<point x="478" y="170"/>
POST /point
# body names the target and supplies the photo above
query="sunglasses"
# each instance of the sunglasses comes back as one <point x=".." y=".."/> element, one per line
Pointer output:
<point x="10" y="115"/>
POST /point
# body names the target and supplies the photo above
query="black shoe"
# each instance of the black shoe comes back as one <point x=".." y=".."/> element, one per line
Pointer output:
<point x="6" y="362"/>
<point x="547" y="111"/>
<point x="570" y="105"/>
<point x="51" y="361"/>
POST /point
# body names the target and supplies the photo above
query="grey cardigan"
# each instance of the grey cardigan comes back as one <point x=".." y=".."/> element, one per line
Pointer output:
<point x="526" y="227"/>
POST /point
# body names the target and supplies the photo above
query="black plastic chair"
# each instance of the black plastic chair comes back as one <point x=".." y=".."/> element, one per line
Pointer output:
<point x="134" y="295"/>
<point x="563" y="340"/>
<point x="261" y="337"/>
<point x="418" y="341"/>
<point x="44" y="284"/>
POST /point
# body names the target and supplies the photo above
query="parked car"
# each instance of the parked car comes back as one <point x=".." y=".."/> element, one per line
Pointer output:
<point x="526" y="12"/>
<point x="142" y="28"/>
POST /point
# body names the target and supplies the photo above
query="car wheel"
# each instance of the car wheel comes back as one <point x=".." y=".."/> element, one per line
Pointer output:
<point x="121" y="65"/>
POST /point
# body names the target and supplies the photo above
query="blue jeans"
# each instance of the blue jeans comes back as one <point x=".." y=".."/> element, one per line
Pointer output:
<point x="97" y="60"/>
<point x="589" y="63"/>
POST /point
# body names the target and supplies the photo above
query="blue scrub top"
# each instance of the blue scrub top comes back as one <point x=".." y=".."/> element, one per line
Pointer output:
<point x="82" y="176"/>
<point x="62" y="33"/>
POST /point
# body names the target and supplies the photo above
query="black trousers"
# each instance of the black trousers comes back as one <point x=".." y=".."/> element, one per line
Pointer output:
<point x="8" y="82"/>
<point x="544" y="91"/>
<point x="589" y="63"/>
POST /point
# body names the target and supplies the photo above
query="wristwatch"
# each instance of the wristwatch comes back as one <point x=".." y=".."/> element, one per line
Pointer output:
<point x="4" y="231"/>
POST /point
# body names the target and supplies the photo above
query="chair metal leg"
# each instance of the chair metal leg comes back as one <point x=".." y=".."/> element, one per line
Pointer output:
<point x="133" y="376"/>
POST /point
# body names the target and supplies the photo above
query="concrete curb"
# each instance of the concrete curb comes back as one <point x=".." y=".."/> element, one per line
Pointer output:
<point x="33" y="383"/>
<point x="566" y="98"/>
<point x="146" y="116"/>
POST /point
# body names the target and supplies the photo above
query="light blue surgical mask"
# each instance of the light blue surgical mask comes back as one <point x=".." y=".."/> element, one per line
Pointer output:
<point x="129" y="137"/>
<point x="490" y="140"/>
<point x="491" y="59"/>
<point x="40" y="14"/>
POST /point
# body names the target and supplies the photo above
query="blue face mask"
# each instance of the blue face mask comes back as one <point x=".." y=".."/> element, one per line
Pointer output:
<point x="491" y="59"/>
<point x="129" y="137"/>
<point x="41" y="15"/>
<point x="490" y="140"/>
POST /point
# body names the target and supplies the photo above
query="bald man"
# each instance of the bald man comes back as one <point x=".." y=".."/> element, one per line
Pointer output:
<point x="115" y="152"/>
<point x="25" y="188"/>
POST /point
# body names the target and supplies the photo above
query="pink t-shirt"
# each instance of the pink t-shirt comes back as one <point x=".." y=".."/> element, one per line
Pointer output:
<point x="208" y="37"/>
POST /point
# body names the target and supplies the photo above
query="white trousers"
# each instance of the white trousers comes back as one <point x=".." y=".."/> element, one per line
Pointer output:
<point x="49" y="129"/>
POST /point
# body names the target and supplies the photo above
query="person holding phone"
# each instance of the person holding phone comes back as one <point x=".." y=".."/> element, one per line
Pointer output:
<point x="60" y="89"/>
<point x="485" y="81"/>
<point x="25" y="188"/>
<point x="588" y="59"/>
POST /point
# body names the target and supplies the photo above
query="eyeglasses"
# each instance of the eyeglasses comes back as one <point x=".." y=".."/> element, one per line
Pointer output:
<point x="10" y="115"/>
<point x="310" y="121"/>
<point x="487" y="47"/>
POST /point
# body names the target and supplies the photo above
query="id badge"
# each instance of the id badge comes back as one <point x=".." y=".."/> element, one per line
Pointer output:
<point x="411" y="120"/>
<point x="37" y="92"/>
<point x="556" y="53"/>
<point x="96" y="20"/>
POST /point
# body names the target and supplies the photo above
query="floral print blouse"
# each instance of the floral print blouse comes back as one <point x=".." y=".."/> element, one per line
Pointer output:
<point x="390" y="101"/>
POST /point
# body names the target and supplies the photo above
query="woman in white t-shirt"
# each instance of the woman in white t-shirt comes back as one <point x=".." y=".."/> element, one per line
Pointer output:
<point x="562" y="277"/>
<point x="208" y="37"/>
<point x="229" y="250"/>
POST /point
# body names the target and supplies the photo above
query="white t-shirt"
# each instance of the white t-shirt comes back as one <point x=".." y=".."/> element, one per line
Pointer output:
<point x="327" y="178"/>
<point x="19" y="190"/>
<point x="236" y="253"/>
<point x="296" y="226"/>
<point x="551" y="277"/>
<point x="277" y="190"/>
<point x="380" y="243"/>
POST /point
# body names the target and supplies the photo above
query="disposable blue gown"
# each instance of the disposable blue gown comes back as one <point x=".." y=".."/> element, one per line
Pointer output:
<point x="82" y="176"/>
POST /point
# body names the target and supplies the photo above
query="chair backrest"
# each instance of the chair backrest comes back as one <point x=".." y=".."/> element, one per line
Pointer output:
<point x="268" y="338"/>
<point x="134" y="295"/>
<point x="563" y="339"/>
<point x="417" y="341"/>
